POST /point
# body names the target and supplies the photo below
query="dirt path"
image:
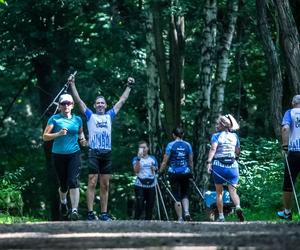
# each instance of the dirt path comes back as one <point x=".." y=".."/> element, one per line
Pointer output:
<point x="151" y="235"/>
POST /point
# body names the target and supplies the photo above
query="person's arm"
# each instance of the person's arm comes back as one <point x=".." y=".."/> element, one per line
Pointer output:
<point x="75" y="94"/>
<point x="137" y="166"/>
<point x="164" y="163"/>
<point x="211" y="155"/>
<point x="48" y="136"/>
<point x="81" y="138"/>
<point x="285" y="131"/>
<point x="191" y="161"/>
<point x="124" y="96"/>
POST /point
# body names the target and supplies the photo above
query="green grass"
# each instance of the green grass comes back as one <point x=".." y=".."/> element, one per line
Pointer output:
<point x="8" y="219"/>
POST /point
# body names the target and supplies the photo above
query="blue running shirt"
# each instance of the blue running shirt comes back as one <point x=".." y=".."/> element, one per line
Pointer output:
<point x="145" y="170"/>
<point x="178" y="152"/>
<point x="99" y="127"/>
<point x="292" y="119"/>
<point x="68" y="143"/>
<point x="227" y="142"/>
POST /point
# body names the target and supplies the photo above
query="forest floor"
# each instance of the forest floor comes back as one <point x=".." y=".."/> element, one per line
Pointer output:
<point x="150" y="235"/>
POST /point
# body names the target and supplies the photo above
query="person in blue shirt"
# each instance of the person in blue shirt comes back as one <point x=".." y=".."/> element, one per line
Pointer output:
<point x="290" y="134"/>
<point x="65" y="129"/>
<point x="221" y="161"/>
<point x="179" y="157"/>
<point x="144" y="166"/>
<point x="100" y="132"/>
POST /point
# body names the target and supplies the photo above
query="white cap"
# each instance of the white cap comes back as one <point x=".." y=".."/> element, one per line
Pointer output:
<point x="65" y="97"/>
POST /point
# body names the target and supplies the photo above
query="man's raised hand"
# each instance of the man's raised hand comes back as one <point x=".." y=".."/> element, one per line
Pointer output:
<point x="130" y="82"/>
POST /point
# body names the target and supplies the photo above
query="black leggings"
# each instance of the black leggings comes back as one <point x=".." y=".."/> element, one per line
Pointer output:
<point x="67" y="169"/>
<point x="294" y="164"/>
<point x="144" y="195"/>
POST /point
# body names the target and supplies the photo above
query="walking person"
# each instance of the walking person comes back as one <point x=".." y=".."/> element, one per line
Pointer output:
<point x="290" y="134"/>
<point x="100" y="164"/>
<point x="65" y="129"/>
<point x="179" y="158"/>
<point x="144" y="166"/>
<point x="221" y="161"/>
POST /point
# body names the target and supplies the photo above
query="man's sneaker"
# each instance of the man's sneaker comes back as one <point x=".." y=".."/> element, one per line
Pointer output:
<point x="221" y="219"/>
<point x="239" y="214"/>
<point x="63" y="209"/>
<point x="105" y="217"/>
<point x="180" y="220"/>
<point x="92" y="216"/>
<point x="74" y="215"/>
<point x="283" y="215"/>
<point x="187" y="217"/>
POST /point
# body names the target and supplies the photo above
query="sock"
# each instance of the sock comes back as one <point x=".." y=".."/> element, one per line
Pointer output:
<point x="221" y="215"/>
<point x="287" y="211"/>
<point x="186" y="212"/>
<point x="74" y="209"/>
<point x="64" y="201"/>
<point x="238" y="207"/>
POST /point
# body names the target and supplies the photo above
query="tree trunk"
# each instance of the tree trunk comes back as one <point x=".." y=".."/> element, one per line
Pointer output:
<point x="206" y="69"/>
<point x="153" y="101"/>
<point x="170" y="85"/>
<point x="42" y="66"/>
<point x="290" y="43"/>
<point x="273" y="65"/>
<point x="223" y="58"/>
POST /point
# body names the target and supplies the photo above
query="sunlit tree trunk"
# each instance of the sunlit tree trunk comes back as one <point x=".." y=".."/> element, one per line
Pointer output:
<point x="153" y="100"/>
<point x="223" y="58"/>
<point x="290" y="42"/>
<point x="206" y="71"/>
<point x="273" y="65"/>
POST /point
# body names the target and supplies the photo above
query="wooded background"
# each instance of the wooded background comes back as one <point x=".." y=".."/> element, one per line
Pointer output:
<point x="192" y="60"/>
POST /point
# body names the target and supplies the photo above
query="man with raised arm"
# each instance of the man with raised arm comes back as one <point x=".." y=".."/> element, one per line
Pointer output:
<point x="100" y="164"/>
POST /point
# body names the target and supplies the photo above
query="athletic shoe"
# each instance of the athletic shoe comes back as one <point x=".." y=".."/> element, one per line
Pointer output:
<point x="105" y="217"/>
<point x="283" y="215"/>
<point x="239" y="214"/>
<point x="92" y="216"/>
<point x="180" y="220"/>
<point x="63" y="209"/>
<point x="74" y="215"/>
<point x="187" y="217"/>
<point x="221" y="219"/>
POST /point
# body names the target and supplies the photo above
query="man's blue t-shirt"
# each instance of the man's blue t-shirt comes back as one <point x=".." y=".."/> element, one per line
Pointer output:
<point x="99" y="127"/>
<point x="179" y="152"/>
<point x="292" y="119"/>
<point x="68" y="143"/>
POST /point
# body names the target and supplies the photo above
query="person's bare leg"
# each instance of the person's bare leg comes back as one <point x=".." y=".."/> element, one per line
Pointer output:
<point x="74" y="197"/>
<point x="234" y="196"/>
<point x="104" y="188"/>
<point x="287" y="199"/>
<point x="178" y="209"/>
<point x="90" y="192"/>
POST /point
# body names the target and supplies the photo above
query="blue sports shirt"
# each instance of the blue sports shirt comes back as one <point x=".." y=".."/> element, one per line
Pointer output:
<point x="99" y="127"/>
<point x="68" y="143"/>
<point x="179" y="152"/>
<point x="292" y="119"/>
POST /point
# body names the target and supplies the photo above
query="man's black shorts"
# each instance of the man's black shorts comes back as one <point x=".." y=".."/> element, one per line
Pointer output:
<point x="179" y="185"/>
<point x="294" y="164"/>
<point x="100" y="162"/>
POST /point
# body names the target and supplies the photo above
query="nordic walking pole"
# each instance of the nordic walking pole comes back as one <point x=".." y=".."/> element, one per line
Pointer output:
<point x="64" y="88"/>
<point x="197" y="188"/>
<point x="293" y="187"/>
<point x="168" y="190"/>
<point x="162" y="202"/>
<point x="157" y="202"/>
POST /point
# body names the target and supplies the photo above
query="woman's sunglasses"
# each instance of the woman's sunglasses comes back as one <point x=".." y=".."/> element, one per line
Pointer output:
<point x="66" y="103"/>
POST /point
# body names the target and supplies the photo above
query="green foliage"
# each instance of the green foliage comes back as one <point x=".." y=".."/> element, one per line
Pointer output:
<point x="11" y="186"/>
<point x="261" y="172"/>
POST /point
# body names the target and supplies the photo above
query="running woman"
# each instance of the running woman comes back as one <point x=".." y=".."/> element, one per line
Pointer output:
<point x="100" y="164"/>
<point x="221" y="161"/>
<point x="290" y="134"/>
<point x="65" y="129"/>
<point x="179" y="157"/>
<point x="144" y="166"/>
